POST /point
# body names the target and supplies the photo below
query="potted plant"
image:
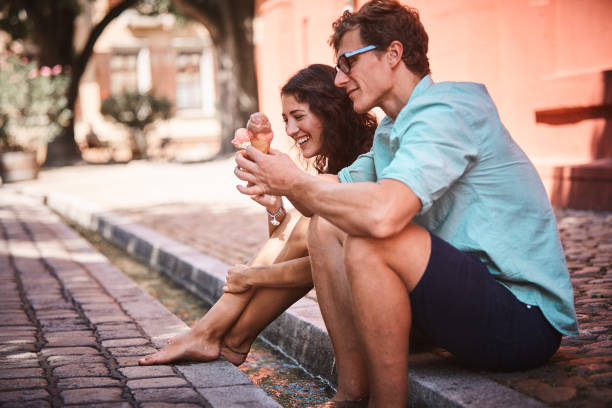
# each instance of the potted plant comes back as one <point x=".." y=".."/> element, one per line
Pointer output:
<point x="33" y="110"/>
<point x="136" y="111"/>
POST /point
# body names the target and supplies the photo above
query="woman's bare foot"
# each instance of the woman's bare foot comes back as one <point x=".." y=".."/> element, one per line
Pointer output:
<point x="178" y="337"/>
<point x="233" y="355"/>
<point x="185" y="347"/>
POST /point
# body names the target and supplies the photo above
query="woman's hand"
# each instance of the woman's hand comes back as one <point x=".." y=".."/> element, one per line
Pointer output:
<point x="236" y="279"/>
<point x="271" y="202"/>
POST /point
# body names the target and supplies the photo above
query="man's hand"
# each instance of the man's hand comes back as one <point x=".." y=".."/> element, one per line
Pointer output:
<point x="235" y="281"/>
<point x="271" y="173"/>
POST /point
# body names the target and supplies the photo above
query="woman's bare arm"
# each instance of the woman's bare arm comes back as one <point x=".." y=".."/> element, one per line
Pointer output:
<point x="288" y="274"/>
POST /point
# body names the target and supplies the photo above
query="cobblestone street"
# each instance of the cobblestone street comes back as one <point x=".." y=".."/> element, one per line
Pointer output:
<point x="224" y="225"/>
<point x="72" y="327"/>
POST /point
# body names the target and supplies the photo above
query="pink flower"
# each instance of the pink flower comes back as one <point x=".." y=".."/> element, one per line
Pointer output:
<point x="45" y="71"/>
<point x="56" y="70"/>
<point x="33" y="73"/>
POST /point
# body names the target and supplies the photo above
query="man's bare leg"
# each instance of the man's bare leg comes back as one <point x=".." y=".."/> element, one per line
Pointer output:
<point x="333" y="294"/>
<point x="203" y="341"/>
<point x="381" y="273"/>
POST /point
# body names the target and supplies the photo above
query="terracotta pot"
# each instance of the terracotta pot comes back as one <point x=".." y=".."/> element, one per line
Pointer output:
<point x="18" y="166"/>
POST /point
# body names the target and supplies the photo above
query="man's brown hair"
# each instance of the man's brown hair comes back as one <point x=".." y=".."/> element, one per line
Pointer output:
<point x="382" y="21"/>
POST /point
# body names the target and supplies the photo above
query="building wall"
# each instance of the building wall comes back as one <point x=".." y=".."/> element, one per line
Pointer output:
<point x="546" y="63"/>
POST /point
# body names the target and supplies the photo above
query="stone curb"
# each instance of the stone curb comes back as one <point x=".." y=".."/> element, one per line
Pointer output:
<point x="299" y="332"/>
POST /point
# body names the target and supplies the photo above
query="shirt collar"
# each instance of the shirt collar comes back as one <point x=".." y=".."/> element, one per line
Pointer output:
<point x="421" y="87"/>
<point x="418" y="90"/>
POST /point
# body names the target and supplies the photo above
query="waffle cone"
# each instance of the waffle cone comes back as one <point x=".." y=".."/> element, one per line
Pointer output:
<point x="261" y="145"/>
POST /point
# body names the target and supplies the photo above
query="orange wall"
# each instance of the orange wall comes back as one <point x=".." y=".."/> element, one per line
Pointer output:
<point x="533" y="55"/>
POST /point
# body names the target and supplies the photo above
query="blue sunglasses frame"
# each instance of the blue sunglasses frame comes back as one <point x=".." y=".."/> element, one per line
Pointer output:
<point x="344" y="64"/>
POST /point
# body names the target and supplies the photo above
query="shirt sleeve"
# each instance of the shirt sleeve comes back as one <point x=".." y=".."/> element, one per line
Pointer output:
<point x="362" y="169"/>
<point x="435" y="150"/>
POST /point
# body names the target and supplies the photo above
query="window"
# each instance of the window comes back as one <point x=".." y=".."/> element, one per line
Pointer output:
<point x="123" y="73"/>
<point x="188" y="84"/>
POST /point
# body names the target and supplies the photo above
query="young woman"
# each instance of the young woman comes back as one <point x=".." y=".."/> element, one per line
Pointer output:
<point x="320" y="118"/>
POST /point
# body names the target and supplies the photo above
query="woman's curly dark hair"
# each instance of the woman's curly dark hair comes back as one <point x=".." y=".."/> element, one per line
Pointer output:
<point x="346" y="134"/>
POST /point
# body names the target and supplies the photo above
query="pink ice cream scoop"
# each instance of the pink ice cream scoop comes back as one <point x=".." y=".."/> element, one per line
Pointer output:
<point x="241" y="139"/>
<point x="258" y="132"/>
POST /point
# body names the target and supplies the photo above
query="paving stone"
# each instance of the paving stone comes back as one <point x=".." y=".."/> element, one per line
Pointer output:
<point x="22" y="383"/>
<point x="131" y="351"/>
<point x="238" y="396"/>
<point x="22" y="395"/>
<point x="217" y="373"/>
<point x="108" y="318"/>
<point x="17" y="339"/>
<point x="166" y="395"/>
<point x="130" y="361"/>
<point x="26" y="363"/>
<point x="81" y="370"/>
<point x="66" y="351"/>
<point x="56" y="361"/>
<point x="168" y="405"/>
<point x="64" y="328"/>
<point x="162" y="382"/>
<point x="87" y="382"/>
<point x="104" y="405"/>
<point x="21" y="372"/>
<point x="91" y="395"/>
<point x="57" y="314"/>
<point x="602" y="379"/>
<point x="118" y="334"/>
<point x="125" y="342"/>
<point x="30" y="404"/>
<point x="71" y="338"/>
<point x="147" y="371"/>
<point x="6" y="349"/>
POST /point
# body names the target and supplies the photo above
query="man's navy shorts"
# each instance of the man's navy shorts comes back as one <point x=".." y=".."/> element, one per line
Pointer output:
<point x="460" y="307"/>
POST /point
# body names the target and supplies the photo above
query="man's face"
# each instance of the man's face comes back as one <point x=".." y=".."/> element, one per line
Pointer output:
<point x="367" y="81"/>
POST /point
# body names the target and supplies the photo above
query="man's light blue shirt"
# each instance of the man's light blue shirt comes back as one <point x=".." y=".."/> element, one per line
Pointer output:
<point x="478" y="190"/>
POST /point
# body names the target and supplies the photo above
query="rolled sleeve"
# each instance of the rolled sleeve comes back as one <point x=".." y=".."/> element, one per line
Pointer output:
<point x="362" y="169"/>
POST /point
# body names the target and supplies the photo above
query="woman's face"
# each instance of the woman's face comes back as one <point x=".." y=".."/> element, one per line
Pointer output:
<point x="302" y="125"/>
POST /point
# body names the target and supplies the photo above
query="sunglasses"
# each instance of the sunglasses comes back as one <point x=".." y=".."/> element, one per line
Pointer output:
<point x="344" y="64"/>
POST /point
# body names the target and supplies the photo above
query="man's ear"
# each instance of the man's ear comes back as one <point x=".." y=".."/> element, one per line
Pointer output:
<point x="395" y="51"/>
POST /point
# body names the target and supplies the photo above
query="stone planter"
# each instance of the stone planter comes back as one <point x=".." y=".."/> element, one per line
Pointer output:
<point x="18" y="166"/>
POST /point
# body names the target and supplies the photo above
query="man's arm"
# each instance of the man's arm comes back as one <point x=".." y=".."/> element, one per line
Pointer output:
<point x="364" y="209"/>
<point x="302" y="207"/>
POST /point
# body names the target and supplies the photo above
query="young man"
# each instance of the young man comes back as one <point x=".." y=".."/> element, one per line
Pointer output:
<point x="444" y="224"/>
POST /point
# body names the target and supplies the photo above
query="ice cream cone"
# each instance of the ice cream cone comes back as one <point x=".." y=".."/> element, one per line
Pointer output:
<point x="261" y="145"/>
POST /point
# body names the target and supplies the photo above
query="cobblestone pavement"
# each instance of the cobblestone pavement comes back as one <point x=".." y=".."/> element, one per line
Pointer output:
<point x="216" y="220"/>
<point x="72" y="327"/>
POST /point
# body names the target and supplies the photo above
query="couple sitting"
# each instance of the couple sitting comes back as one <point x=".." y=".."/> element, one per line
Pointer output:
<point x="442" y="224"/>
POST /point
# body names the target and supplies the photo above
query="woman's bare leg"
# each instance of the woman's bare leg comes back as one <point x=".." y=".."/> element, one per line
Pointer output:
<point x="203" y="341"/>
<point x="265" y="306"/>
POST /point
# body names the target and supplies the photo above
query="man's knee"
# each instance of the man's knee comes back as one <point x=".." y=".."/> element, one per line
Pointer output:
<point x="360" y="253"/>
<point x="320" y="232"/>
<point x="364" y="254"/>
